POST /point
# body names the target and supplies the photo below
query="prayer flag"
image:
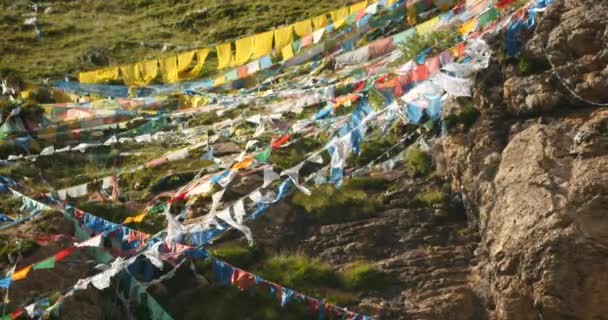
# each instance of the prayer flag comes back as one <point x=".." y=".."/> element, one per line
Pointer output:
<point x="21" y="274"/>
<point x="45" y="264"/>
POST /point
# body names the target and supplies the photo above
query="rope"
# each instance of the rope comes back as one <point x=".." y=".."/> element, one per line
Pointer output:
<point x="561" y="80"/>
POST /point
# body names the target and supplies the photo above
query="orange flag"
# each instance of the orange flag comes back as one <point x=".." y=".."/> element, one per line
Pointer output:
<point x="21" y="274"/>
<point x="243" y="164"/>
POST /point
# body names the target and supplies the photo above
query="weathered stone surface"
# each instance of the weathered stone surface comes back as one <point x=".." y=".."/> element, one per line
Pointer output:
<point x="537" y="188"/>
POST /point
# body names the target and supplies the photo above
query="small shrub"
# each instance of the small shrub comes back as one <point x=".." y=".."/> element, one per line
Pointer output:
<point x="466" y="116"/>
<point x="363" y="276"/>
<point x="432" y="197"/>
<point x="438" y="41"/>
<point x="523" y="65"/>
<point x="418" y="161"/>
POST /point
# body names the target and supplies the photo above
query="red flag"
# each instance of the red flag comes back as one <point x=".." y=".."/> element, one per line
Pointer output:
<point x="433" y="65"/>
<point x="421" y="73"/>
<point x="242" y="280"/>
<point x="277" y="144"/>
<point x="16" y="314"/>
<point x="503" y="3"/>
<point x="181" y="196"/>
<point x="64" y="253"/>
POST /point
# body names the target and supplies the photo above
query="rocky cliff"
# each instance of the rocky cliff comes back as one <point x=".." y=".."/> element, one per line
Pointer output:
<point x="532" y="173"/>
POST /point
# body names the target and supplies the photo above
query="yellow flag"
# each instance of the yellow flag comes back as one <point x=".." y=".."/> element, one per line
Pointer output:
<point x="131" y="76"/>
<point x="427" y="26"/>
<point x="302" y="28"/>
<point x="219" y="81"/>
<point x="338" y="17"/>
<point x="411" y="15"/>
<point x="243" y="164"/>
<point x="201" y="57"/>
<point x="148" y="71"/>
<point x="136" y="219"/>
<point x="168" y="69"/>
<point x="357" y="7"/>
<point x="184" y="61"/>
<point x="283" y="36"/>
<point x="468" y="26"/>
<point x="319" y="21"/>
<point x="244" y="50"/>
<point x="263" y="44"/>
<point x="108" y="74"/>
<point x="389" y="3"/>
<point x="224" y="55"/>
<point x="99" y="76"/>
<point x="21" y="274"/>
<point x="87" y="77"/>
<point x="287" y="52"/>
<point x="189" y="102"/>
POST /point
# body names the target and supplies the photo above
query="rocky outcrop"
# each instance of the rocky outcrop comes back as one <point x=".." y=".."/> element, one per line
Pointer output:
<point x="533" y="173"/>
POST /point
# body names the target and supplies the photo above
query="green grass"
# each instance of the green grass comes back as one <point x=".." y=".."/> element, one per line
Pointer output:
<point x="362" y="275"/>
<point x="227" y="303"/>
<point x="432" y="197"/>
<point x="299" y="271"/>
<point x="437" y="40"/>
<point x="331" y="205"/>
<point x="82" y="35"/>
<point x="14" y="246"/>
<point x="239" y="256"/>
<point x="418" y="161"/>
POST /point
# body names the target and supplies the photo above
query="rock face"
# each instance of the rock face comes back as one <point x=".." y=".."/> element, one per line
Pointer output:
<point x="533" y="173"/>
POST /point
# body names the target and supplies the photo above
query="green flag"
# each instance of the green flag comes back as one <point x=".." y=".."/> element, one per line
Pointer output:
<point x="263" y="156"/>
<point x="488" y="16"/>
<point x="46" y="264"/>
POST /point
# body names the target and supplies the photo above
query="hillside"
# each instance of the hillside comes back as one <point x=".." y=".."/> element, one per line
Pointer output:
<point x="84" y="34"/>
<point x="415" y="160"/>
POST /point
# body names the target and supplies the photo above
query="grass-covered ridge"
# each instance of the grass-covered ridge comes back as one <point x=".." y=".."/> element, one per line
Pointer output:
<point x="80" y="35"/>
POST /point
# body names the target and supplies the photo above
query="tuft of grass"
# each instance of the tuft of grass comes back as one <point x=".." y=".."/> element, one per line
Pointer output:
<point x="8" y="246"/>
<point x="299" y="271"/>
<point x="418" y="161"/>
<point x="465" y="117"/>
<point x="362" y="275"/>
<point x="366" y="183"/>
<point x="432" y="197"/>
<point x="332" y="205"/>
<point x="240" y="256"/>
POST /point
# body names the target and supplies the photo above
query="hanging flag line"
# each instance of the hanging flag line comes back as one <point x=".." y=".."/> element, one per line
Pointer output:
<point x="171" y="68"/>
<point x="261" y="64"/>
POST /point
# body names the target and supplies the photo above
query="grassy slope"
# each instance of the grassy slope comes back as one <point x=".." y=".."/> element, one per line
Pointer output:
<point x="117" y="27"/>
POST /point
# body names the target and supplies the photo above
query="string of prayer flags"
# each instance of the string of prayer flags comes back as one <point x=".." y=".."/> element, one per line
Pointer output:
<point x="228" y="275"/>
